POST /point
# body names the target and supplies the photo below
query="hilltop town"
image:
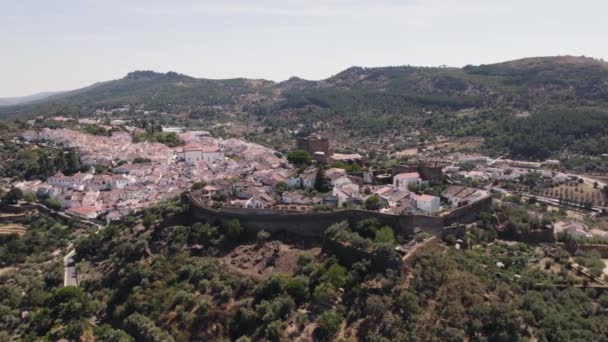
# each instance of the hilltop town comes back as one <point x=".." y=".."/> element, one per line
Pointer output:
<point x="120" y="174"/>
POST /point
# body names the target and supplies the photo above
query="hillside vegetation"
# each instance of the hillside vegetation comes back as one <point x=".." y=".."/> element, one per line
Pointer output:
<point x="147" y="279"/>
<point x="532" y="108"/>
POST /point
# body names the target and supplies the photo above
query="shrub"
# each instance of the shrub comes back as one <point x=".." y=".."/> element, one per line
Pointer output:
<point x="329" y="324"/>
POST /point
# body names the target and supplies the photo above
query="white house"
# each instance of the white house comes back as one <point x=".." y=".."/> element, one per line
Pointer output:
<point x="403" y="180"/>
<point x="193" y="153"/>
<point x="294" y="182"/>
<point x="427" y="203"/>
<point x="260" y="201"/>
<point x="76" y="181"/>
<point x="308" y="178"/>
<point x="121" y="182"/>
<point x="346" y="193"/>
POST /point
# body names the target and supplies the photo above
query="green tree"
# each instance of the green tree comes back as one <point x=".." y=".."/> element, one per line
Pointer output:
<point x="329" y="324"/>
<point x="324" y="295"/>
<point x="385" y="235"/>
<point x="262" y="236"/>
<point x="69" y="303"/>
<point x="373" y="202"/>
<point x="198" y="185"/>
<point x="299" y="157"/>
<point x="233" y="229"/>
<point x="13" y="196"/>
<point x="149" y="220"/>
<point x="320" y="181"/>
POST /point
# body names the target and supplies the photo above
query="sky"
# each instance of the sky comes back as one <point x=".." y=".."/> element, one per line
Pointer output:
<point x="62" y="45"/>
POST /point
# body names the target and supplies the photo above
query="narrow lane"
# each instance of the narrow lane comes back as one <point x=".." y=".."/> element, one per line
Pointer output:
<point x="69" y="270"/>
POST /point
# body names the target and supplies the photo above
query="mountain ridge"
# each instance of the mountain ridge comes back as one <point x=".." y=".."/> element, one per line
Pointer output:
<point x="10" y="101"/>
<point x="524" y="84"/>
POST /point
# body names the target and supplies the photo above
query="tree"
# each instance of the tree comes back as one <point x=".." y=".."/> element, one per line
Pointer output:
<point x="407" y="303"/>
<point x="144" y="329"/>
<point x="329" y="324"/>
<point x="233" y="229"/>
<point x="29" y="197"/>
<point x="149" y="220"/>
<point x="52" y="203"/>
<point x="262" y="236"/>
<point x="372" y="202"/>
<point x="299" y="157"/>
<point x="141" y="160"/>
<point x="13" y="196"/>
<point x="320" y="181"/>
<point x="375" y="307"/>
<point x="198" y="185"/>
<point x="72" y="162"/>
<point x="280" y="187"/>
<point x="297" y="288"/>
<point x="324" y="295"/>
<point x="385" y="235"/>
<point x="69" y="303"/>
<point x="335" y="275"/>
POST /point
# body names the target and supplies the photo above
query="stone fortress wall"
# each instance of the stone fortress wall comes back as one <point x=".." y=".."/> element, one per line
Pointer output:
<point x="313" y="225"/>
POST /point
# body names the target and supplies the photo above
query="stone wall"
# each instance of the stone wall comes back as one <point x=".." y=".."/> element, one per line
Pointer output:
<point x="531" y="237"/>
<point x="602" y="249"/>
<point x="468" y="213"/>
<point x="457" y="230"/>
<point x="309" y="225"/>
<point x="427" y="171"/>
<point x="313" y="144"/>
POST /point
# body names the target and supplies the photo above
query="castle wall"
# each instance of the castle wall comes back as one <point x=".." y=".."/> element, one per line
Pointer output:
<point x="531" y="237"/>
<point x="309" y="225"/>
<point x="468" y="213"/>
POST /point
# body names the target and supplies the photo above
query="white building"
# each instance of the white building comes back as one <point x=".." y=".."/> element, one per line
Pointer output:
<point x="346" y="193"/>
<point x="76" y="181"/>
<point x="403" y="180"/>
<point x="194" y="153"/>
<point x="308" y="178"/>
<point x="427" y="203"/>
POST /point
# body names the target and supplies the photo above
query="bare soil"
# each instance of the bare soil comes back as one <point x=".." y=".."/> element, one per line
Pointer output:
<point x="260" y="261"/>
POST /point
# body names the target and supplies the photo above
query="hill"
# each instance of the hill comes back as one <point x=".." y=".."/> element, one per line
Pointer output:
<point x="11" y="101"/>
<point x="164" y="91"/>
<point x="498" y="99"/>
<point x="155" y="276"/>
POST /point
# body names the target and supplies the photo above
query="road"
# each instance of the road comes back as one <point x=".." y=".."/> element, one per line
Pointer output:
<point x="69" y="270"/>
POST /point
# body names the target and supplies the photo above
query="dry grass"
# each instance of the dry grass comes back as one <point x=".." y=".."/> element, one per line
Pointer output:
<point x="13" y="228"/>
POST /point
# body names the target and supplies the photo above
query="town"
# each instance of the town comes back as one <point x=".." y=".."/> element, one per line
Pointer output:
<point x="304" y="171"/>
<point x="122" y="176"/>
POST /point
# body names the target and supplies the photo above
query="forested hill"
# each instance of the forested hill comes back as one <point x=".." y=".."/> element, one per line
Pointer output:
<point x="497" y="99"/>
<point x="524" y="84"/>
<point x="164" y="91"/>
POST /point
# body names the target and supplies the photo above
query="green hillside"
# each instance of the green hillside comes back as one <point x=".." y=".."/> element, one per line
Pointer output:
<point x="558" y="103"/>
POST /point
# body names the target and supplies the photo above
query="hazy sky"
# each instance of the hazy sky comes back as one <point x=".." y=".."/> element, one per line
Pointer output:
<point x="61" y="44"/>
